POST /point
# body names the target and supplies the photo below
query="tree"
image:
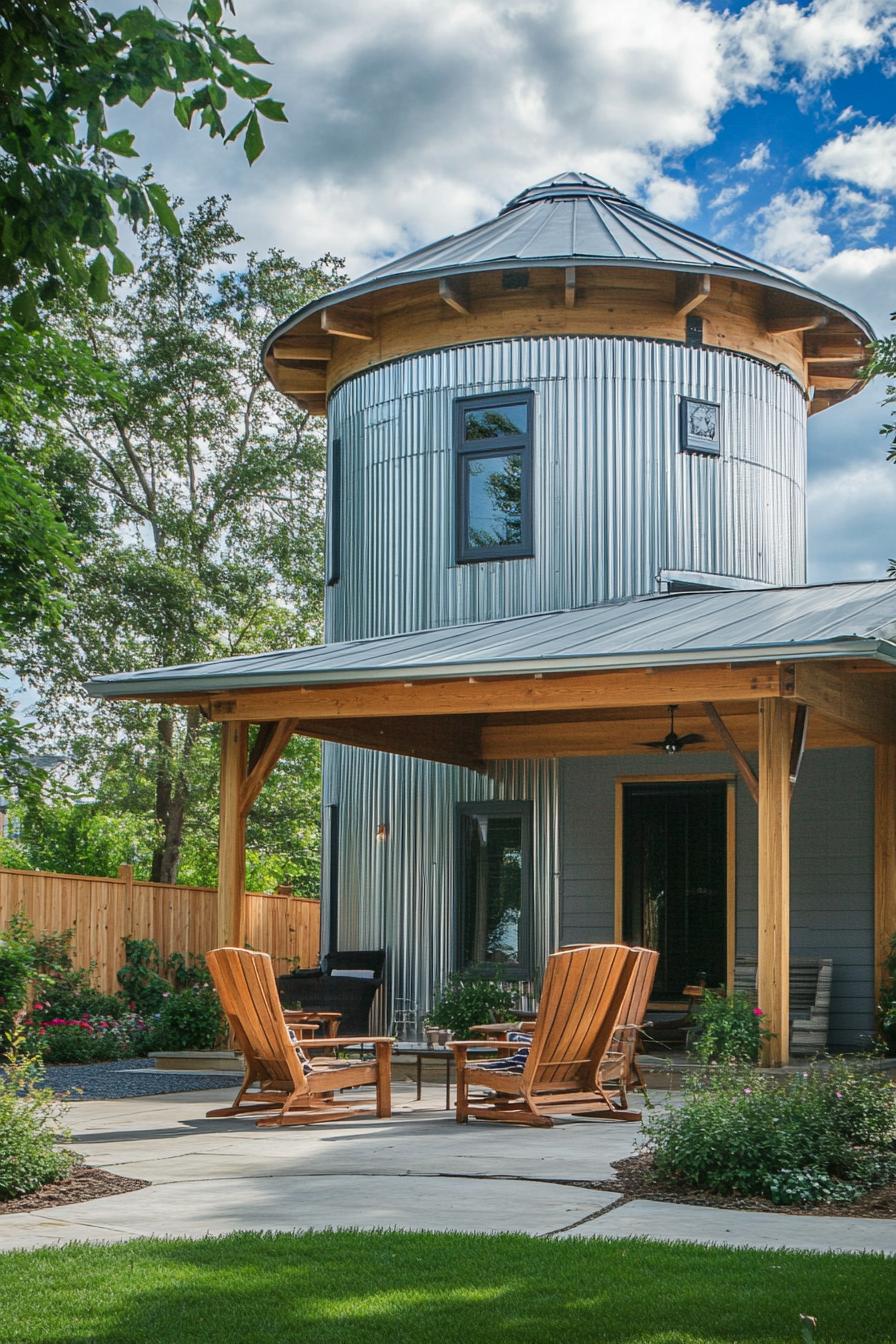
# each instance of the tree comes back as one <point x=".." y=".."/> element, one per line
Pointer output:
<point x="63" y="64"/>
<point x="883" y="364"/>
<point x="206" y="490"/>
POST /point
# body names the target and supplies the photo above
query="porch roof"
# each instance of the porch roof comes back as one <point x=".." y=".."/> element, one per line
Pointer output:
<point x="837" y="620"/>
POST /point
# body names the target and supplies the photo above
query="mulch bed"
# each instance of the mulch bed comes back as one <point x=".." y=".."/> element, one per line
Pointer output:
<point x="84" y="1183"/>
<point x="637" y="1180"/>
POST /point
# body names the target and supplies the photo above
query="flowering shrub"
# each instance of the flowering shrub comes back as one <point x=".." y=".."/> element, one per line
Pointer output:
<point x="67" y="990"/>
<point x="729" y="1030"/>
<point x="88" y="1040"/>
<point x="189" y="1021"/>
<point x="825" y="1135"/>
<point x="29" y="1123"/>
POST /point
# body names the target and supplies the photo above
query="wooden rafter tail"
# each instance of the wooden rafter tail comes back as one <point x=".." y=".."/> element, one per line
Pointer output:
<point x="456" y="294"/>
<point x="744" y="767"/>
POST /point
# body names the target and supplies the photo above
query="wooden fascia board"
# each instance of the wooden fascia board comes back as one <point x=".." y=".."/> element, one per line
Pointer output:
<point x="485" y="695"/>
<point x="865" y="705"/>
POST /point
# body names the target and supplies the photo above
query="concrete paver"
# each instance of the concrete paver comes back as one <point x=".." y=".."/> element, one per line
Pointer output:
<point x="661" y="1221"/>
<point x="418" y="1171"/>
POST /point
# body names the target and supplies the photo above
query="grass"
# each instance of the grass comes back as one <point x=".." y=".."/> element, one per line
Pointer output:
<point x="429" y="1288"/>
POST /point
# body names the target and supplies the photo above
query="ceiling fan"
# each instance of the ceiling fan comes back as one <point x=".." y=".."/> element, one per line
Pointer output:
<point x="672" y="742"/>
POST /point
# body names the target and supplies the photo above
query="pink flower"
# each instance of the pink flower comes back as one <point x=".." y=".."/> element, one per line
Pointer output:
<point x="37" y="1005"/>
<point x="757" y="1012"/>
<point x="839" y="1096"/>
<point x="748" y="1091"/>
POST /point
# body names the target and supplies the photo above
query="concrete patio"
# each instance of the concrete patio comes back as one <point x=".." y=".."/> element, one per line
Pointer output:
<point x="417" y="1171"/>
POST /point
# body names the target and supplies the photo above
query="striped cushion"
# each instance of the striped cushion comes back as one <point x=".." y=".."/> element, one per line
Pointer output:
<point x="307" y="1066"/>
<point x="514" y="1063"/>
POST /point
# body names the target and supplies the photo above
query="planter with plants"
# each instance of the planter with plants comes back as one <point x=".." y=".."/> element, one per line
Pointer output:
<point x="463" y="1003"/>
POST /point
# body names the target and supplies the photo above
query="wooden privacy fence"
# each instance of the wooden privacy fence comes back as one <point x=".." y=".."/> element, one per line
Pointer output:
<point x="104" y="910"/>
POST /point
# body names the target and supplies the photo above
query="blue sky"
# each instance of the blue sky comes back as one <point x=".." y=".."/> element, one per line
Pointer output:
<point x="766" y="124"/>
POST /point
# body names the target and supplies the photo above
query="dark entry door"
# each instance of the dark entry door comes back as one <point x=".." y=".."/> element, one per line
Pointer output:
<point x="675" y="879"/>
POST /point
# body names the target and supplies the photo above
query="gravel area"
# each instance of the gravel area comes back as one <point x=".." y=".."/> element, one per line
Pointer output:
<point x="107" y="1082"/>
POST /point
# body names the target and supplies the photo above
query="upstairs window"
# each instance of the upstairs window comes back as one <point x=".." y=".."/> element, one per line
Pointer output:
<point x="493" y="450"/>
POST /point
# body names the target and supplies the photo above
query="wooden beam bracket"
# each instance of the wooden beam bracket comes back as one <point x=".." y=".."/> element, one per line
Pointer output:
<point x="456" y="293"/>
<point x="744" y="768"/>
<point x="690" y="292"/>
<point x="798" y="746"/>
<point x="569" y="287"/>
<point x="353" y="323"/>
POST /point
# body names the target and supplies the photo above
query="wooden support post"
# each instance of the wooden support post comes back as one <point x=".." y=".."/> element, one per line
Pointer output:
<point x="773" y="977"/>
<point x="232" y="835"/>
<point x="884" y="858"/>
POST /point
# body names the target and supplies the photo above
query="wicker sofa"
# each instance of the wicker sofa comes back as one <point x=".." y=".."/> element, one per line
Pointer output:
<point x="345" y="982"/>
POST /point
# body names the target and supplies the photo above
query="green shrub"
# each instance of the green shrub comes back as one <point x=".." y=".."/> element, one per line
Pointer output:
<point x="825" y="1135"/>
<point x="17" y="963"/>
<point x="29" y="1125"/>
<point x="141" y="978"/>
<point x="463" y="1004"/>
<point x="729" y="1030"/>
<point x="887" y="1006"/>
<point x="66" y="990"/>
<point x="189" y="1021"/>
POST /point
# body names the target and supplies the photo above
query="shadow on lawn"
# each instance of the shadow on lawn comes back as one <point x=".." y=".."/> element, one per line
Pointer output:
<point x="376" y="1288"/>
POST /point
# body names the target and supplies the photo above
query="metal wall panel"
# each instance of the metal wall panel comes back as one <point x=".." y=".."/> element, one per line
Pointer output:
<point x="399" y="892"/>
<point x="614" y="500"/>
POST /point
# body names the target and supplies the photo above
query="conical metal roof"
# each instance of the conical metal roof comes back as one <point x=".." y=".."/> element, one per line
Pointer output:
<point x="569" y="219"/>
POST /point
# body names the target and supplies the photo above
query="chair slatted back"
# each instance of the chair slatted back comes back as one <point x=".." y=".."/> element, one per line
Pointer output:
<point x="640" y="987"/>
<point x="583" y="992"/>
<point x="247" y="990"/>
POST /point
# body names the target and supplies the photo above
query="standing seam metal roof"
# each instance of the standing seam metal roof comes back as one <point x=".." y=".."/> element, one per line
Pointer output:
<point x="829" y="620"/>
<point x="570" y="218"/>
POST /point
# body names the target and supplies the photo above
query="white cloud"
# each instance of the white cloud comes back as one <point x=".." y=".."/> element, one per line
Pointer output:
<point x="823" y="39"/>
<point x="672" y="198"/>
<point x="848" y="114"/>
<point x="852" y="507"/>
<point x="862" y="277"/>
<point x="789" y="230"/>
<point x="860" y="214"/>
<point x="757" y="161"/>
<point x="867" y="157"/>
<point x="723" y="202"/>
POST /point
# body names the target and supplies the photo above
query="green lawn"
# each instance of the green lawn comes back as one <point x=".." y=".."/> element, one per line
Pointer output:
<point x="426" y="1288"/>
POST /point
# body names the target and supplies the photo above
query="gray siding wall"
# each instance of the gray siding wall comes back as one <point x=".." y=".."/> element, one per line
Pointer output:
<point x="832" y="864"/>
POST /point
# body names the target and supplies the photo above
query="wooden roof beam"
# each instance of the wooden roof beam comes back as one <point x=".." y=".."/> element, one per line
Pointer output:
<point x="866" y="705"/>
<point x="484" y="695"/>
<point x="690" y="292"/>
<point x="354" y="323"/>
<point x="456" y="294"/>
<point x="295" y="381"/>
<point x="290" y="349"/>
<point x="827" y="348"/>
<point x="781" y="324"/>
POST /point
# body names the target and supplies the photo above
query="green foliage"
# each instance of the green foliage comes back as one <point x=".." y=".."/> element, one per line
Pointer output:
<point x="29" y="1124"/>
<point x="63" y="190"/>
<point x="463" y="1004"/>
<point x="141" y="978"/>
<point x="822" y="1136"/>
<point x="205" y="490"/>
<point x="729" y="1030"/>
<point x="887" y="1006"/>
<point x="63" y="836"/>
<point x="17" y="962"/>
<point x="64" y="990"/>
<point x="191" y="1020"/>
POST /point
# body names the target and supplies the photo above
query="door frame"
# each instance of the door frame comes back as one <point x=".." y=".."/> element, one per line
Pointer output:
<point x="730" y="853"/>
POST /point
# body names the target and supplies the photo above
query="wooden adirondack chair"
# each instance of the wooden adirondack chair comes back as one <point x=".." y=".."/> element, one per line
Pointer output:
<point x="619" y="1069"/>
<point x="275" y="1079"/>
<point x="583" y="993"/>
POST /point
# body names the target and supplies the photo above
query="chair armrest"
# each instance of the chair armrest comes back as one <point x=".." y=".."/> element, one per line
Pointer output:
<point x="508" y="1047"/>
<point x="337" y="1042"/>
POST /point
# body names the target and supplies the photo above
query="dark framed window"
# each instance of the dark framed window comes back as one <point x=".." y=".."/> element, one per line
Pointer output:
<point x="493" y="454"/>
<point x="494" y="896"/>
<point x="700" y="426"/>
<point x="334" y="515"/>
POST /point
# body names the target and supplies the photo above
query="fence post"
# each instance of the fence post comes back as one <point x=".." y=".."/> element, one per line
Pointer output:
<point x="126" y="873"/>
